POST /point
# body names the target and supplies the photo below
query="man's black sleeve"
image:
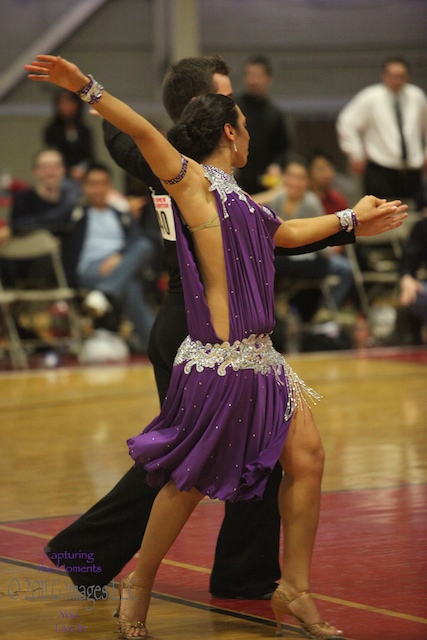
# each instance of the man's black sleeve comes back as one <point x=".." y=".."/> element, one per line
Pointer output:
<point x="336" y="240"/>
<point x="128" y="157"/>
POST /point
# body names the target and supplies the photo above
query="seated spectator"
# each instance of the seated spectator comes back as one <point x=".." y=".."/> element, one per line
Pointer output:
<point x="104" y="252"/>
<point x="45" y="205"/>
<point x="412" y="315"/>
<point x="48" y="204"/>
<point x="141" y="207"/>
<point x="295" y="200"/>
<point x="292" y="199"/>
<point x="68" y="133"/>
<point x="321" y="172"/>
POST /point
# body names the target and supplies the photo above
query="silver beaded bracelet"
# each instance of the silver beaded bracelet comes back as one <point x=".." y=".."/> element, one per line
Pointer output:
<point x="92" y="92"/>
<point x="348" y="219"/>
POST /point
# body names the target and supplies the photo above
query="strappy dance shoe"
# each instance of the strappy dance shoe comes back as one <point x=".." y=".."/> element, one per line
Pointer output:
<point x="280" y="602"/>
<point x="124" y="624"/>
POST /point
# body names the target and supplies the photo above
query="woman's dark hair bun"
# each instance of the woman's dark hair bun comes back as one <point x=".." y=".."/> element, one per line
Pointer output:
<point x="200" y="128"/>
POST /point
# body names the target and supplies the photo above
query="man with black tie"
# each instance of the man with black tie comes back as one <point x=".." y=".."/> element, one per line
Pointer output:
<point x="383" y="131"/>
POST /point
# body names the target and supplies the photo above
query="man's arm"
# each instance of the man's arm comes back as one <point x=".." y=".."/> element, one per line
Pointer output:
<point x="336" y="240"/>
<point x="128" y="157"/>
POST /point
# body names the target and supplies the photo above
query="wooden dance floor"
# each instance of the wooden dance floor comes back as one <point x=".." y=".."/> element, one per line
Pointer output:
<point x="63" y="435"/>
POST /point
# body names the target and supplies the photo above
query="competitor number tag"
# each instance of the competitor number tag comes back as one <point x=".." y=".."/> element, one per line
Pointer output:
<point x="163" y="206"/>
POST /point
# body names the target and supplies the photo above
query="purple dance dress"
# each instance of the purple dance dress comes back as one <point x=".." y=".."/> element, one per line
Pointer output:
<point x="224" y="422"/>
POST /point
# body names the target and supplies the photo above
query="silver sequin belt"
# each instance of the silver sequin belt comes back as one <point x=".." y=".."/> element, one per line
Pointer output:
<point x="256" y="353"/>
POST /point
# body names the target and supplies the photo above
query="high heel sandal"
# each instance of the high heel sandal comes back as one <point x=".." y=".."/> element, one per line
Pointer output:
<point x="124" y="625"/>
<point x="280" y="602"/>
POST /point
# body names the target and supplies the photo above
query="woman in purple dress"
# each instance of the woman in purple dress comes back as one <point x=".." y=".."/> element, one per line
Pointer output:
<point x="234" y="405"/>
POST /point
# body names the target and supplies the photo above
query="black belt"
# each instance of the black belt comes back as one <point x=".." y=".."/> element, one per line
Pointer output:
<point x="399" y="170"/>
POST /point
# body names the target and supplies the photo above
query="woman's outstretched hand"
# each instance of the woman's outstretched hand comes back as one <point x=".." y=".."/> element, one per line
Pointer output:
<point x="376" y="215"/>
<point x="57" y="70"/>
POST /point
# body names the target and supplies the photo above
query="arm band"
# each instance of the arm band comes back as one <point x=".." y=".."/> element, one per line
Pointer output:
<point x="181" y="174"/>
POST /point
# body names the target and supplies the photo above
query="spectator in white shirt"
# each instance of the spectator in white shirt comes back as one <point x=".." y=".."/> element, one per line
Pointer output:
<point x="383" y="131"/>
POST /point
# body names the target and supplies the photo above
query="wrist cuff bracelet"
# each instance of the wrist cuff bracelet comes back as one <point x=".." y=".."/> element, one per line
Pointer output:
<point x="348" y="220"/>
<point x="92" y="92"/>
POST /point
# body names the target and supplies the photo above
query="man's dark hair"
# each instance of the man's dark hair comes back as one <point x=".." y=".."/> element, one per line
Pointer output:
<point x="395" y="60"/>
<point x="263" y="61"/>
<point x="188" y="78"/>
<point x="202" y="124"/>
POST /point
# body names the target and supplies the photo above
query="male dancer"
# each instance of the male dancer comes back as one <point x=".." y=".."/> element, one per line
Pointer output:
<point x="246" y="560"/>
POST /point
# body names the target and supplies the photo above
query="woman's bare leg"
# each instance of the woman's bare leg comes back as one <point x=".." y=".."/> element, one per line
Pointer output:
<point x="302" y="460"/>
<point x="171" y="510"/>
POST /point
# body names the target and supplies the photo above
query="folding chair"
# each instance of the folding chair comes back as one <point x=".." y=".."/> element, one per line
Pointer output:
<point x="285" y="290"/>
<point x="35" y="245"/>
<point x="382" y="273"/>
<point x="16" y="351"/>
<point x="289" y="287"/>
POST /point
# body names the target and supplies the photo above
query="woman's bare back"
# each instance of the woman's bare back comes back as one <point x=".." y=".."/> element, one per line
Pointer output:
<point x="200" y="213"/>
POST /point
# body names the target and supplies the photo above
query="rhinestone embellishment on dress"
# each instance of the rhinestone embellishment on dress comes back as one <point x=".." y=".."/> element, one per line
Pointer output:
<point x="225" y="183"/>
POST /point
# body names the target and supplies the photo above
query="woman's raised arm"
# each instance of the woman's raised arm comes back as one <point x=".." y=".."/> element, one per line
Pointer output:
<point x="163" y="158"/>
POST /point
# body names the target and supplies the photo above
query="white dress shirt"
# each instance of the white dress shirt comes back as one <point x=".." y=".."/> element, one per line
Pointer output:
<point x="368" y="130"/>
